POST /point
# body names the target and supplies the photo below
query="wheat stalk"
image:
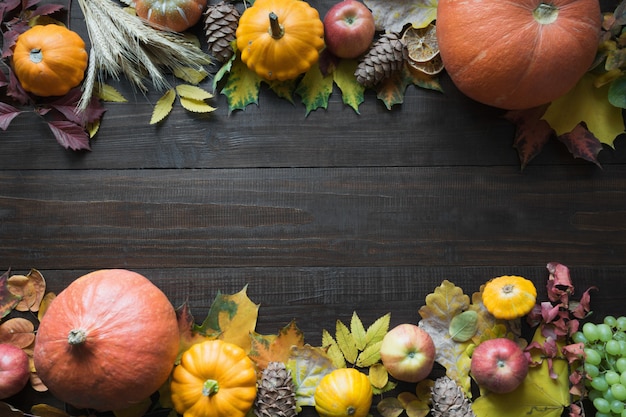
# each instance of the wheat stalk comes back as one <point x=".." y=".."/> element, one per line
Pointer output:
<point x="122" y="44"/>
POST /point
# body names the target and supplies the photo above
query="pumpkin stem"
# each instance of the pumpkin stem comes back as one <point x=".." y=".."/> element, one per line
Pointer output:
<point x="210" y="387"/>
<point x="76" y="337"/>
<point x="350" y="410"/>
<point x="35" y="55"/>
<point x="546" y="13"/>
<point x="276" y="29"/>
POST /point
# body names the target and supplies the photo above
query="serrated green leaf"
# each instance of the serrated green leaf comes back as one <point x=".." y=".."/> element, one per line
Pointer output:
<point x="358" y="331"/>
<point x="193" y="92"/>
<point x="352" y="92"/>
<point x="283" y="89"/>
<point x="163" y="106"/>
<point x="315" y="89"/>
<point x="370" y="355"/>
<point x="191" y="75"/>
<point x="107" y="93"/>
<point x="242" y="86"/>
<point x="346" y="343"/>
<point x="196" y="106"/>
<point x="223" y="71"/>
<point x="617" y="93"/>
<point x="378" y="330"/>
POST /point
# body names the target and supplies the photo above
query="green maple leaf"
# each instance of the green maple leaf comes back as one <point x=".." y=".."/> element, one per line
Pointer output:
<point x="242" y="86"/>
<point x="351" y="90"/>
<point x="586" y="103"/>
<point x="315" y="89"/>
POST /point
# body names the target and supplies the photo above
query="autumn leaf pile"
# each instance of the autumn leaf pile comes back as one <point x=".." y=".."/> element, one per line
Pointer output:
<point x="457" y="322"/>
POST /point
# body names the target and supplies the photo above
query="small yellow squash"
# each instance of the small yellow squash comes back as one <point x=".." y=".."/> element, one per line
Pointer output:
<point x="214" y="379"/>
<point x="49" y="60"/>
<point x="509" y="297"/>
<point x="280" y="39"/>
<point x="344" y="392"/>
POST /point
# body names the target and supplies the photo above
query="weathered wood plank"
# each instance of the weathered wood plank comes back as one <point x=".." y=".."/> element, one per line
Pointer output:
<point x="313" y="217"/>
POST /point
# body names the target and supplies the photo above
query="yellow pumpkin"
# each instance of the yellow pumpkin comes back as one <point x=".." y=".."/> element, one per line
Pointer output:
<point x="344" y="392"/>
<point x="49" y="60"/>
<point x="509" y="297"/>
<point x="280" y="39"/>
<point x="214" y="379"/>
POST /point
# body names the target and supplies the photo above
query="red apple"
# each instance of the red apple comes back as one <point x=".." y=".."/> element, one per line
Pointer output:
<point x="499" y="365"/>
<point x="348" y="29"/>
<point x="14" y="370"/>
<point x="408" y="353"/>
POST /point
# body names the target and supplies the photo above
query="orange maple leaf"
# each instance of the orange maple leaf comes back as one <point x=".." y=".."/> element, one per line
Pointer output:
<point x="275" y="348"/>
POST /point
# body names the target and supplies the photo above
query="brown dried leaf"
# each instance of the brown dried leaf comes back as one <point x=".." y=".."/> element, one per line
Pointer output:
<point x="37" y="383"/>
<point x="46" y="410"/>
<point x="531" y="132"/>
<point x="390" y="407"/>
<point x="8" y="300"/>
<point x="45" y="303"/>
<point x="31" y="288"/>
<point x="17" y="331"/>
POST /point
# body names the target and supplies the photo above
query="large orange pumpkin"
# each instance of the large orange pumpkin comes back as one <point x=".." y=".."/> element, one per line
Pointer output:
<point x="517" y="54"/>
<point x="108" y="341"/>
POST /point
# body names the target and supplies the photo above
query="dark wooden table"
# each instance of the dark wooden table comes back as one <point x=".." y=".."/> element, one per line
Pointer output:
<point x="321" y="215"/>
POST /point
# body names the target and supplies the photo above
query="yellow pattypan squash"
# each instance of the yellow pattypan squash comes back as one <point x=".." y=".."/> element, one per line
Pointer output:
<point x="280" y="39"/>
<point x="509" y="297"/>
<point x="214" y="379"/>
<point x="344" y="392"/>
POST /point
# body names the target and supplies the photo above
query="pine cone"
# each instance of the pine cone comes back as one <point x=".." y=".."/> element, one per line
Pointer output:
<point x="449" y="401"/>
<point x="384" y="58"/>
<point x="276" y="393"/>
<point x="220" y="25"/>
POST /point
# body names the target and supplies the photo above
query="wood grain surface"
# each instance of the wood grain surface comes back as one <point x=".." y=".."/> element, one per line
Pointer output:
<point x="319" y="216"/>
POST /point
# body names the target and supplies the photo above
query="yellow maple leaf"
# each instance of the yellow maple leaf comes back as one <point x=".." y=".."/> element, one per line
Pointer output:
<point x="589" y="104"/>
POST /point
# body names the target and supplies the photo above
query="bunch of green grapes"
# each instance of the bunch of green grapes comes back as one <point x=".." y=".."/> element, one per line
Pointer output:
<point x="605" y="364"/>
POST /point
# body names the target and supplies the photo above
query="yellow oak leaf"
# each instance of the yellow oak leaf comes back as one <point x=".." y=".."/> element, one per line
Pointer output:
<point x="589" y="104"/>
<point x="446" y="302"/>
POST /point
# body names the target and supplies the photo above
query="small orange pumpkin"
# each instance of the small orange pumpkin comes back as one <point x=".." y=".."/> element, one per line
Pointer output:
<point x="517" y="54"/>
<point x="280" y="39"/>
<point x="108" y="341"/>
<point x="49" y="60"/>
<point x="173" y="15"/>
<point x="214" y="379"/>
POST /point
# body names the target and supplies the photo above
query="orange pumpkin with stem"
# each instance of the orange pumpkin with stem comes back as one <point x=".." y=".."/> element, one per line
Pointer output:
<point x="517" y="54"/>
<point x="108" y="341"/>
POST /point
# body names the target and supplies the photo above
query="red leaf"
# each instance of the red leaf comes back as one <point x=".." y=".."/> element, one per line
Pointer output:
<point x="583" y="308"/>
<point x="70" y="135"/>
<point x="15" y="90"/>
<point x="67" y="106"/>
<point x="4" y="81"/>
<point x="7" y="114"/>
<point x="531" y="133"/>
<point x="46" y="9"/>
<point x="574" y="352"/>
<point x="582" y="144"/>
<point x="6" y="6"/>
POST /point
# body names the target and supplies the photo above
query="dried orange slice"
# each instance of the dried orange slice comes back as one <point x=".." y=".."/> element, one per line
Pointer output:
<point x="432" y="67"/>
<point x="421" y="44"/>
